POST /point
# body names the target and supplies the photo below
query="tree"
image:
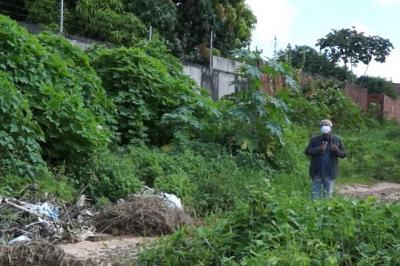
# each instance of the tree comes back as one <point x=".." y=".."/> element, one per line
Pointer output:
<point x="231" y="21"/>
<point x="309" y="60"/>
<point x="235" y="23"/>
<point x="351" y="46"/>
<point x="160" y="14"/>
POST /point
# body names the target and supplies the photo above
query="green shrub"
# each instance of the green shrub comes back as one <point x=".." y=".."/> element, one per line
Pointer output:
<point x="322" y="99"/>
<point x="143" y="89"/>
<point x="43" y="186"/>
<point x="56" y="100"/>
<point x="179" y="184"/>
<point x="376" y="85"/>
<point x="20" y="135"/>
<point x="110" y="175"/>
<point x="81" y="73"/>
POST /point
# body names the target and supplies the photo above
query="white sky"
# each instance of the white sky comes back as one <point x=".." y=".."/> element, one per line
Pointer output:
<point x="302" y="22"/>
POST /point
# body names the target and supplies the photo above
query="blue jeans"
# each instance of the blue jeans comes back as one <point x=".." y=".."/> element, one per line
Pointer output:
<point x="322" y="187"/>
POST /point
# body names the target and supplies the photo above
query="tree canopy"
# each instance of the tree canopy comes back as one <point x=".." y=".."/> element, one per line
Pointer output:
<point x="353" y="47"/>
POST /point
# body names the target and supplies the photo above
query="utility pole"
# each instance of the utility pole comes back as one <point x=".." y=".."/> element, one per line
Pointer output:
<point x="212" y="87"/>
<point x="211" y="48"/>
<point x="62" y="17"/>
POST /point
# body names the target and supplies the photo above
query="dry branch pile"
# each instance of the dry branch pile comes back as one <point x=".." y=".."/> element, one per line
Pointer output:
<point x="141" y="216"/>
<point x="38" y="253"/>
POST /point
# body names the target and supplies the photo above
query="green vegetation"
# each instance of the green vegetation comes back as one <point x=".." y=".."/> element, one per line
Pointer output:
<point x="110" y="120"/>
<point x="376" y="85"/>
<point x="310" y="61"/>
<point x="186" y="26"/>
<point x="267" y="229"/>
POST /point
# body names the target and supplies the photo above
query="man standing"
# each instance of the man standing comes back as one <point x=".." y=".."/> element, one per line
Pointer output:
<point x="324" y="151"/>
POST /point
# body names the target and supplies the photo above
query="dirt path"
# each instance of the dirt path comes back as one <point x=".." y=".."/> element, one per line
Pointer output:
<point x="387" y="192"/>
<point x="118" y="250"/>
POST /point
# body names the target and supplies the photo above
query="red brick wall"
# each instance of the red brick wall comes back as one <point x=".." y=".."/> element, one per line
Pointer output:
<point x="391" y="109"/>
<point x="271" y="85"/>
<point x="375" y="104"/>
<point x="359" y="96"/>
<point x="387" y="107"/>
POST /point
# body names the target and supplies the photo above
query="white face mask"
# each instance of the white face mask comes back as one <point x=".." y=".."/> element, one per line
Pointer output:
<point x="326" y="129"/>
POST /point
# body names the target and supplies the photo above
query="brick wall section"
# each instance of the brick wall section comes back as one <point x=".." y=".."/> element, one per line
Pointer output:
<point x="271" y="85"/>
<point x="375" y="104"/>
<point x="359" y="96"/>
<point x="386" y="107"/>
<point x="391" y="109"/>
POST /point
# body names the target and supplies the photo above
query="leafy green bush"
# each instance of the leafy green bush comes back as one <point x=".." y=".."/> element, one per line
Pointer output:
<point x="143" y="89"/>
<point x="322" y="99"/>
<point x="179" y="184"/>
<point x="56" y="100"/>
<point x="216" y="181"/>
<point x="376" y="85"/>
<point x="82" y="74"/>
<point x="110" y="175"/>
<point x="206" y="179"/>
<point x="43" y="186"/>
<point x="20" y="135"/>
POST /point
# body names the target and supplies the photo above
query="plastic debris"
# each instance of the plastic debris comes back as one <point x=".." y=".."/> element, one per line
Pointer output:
<point x="20" y="239"/>
<point x="172" y="201"/>
<point x="46" y="209"/>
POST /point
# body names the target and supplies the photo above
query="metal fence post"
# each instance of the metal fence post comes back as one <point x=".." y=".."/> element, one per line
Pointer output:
<point x="62" y="17"/>
<point x="151" y="34"/>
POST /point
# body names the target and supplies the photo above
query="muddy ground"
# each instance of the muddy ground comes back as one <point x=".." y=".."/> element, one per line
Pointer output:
<point x="108" y="250"/>
<point x="386" y="192"/>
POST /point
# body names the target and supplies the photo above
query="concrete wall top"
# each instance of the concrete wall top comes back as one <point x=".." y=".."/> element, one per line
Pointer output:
<point x="225" y="65"/>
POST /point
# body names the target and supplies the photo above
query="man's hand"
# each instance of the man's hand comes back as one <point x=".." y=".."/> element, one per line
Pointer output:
<point x="323" y="146"/>
<point x="335" y="148"/>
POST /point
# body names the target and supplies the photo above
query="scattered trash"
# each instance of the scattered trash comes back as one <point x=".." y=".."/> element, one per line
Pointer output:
<point x="41" y="221"/>
<point x="20" y="239"/>
<point x="149" y="213"/>
<point x="143" y="215"/>
<point x="173" y="201"/>
<point x="81" y="202"/>
<point x="46" y="209"/>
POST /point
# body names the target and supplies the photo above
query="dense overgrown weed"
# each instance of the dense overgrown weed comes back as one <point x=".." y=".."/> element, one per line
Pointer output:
<point x="267" y="229"/>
